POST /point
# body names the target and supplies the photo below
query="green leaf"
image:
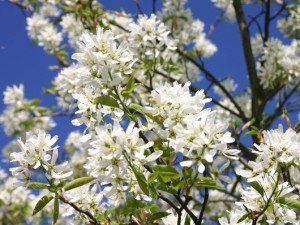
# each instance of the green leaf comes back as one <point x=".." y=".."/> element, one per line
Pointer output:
<point x="78" y="182"/>
<point x="243" y="217"/>
<point x="157" y="216"/>
<point x="153" y="176"/>
<point x="293" y="203"/>
<point x="42" y="203"/>
<point x="207" y="182"/>
<point x="56" y="209"/>
<point x="257" y="187"/>
<point x="37" y="185"/>
<point x="163" y="187"/>
<point x="141" y="180"/>
<point x="130" y="86"/>
<point x="107" y="100"/>
<point x="136" y="108"/>
<point x="166" y="173"/>
<point x="187" y="220"/>
<point x="153" y="191"/>
<point x="35" y="102"/>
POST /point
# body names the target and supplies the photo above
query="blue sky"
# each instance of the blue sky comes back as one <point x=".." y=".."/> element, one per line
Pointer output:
<point x="23" y="62"/>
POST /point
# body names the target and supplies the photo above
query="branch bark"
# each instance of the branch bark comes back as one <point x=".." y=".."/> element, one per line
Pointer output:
<point x="257" y="93"/>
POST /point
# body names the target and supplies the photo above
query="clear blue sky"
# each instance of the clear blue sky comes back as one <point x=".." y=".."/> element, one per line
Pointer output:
<point x="23" y="62"/>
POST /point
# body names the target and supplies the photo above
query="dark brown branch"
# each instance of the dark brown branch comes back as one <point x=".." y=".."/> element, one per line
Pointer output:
<point x="213" y="79"/>
<point x="205" y="200"/>
<point x="254" y="20"/>
<point x="138" y="6"/>
<point x="257" y="93"/>
<point x="267" y="20"/>
<point x="279" y="109"/>
<point x="189" y="212"/>
<point x="93" y="220"/>
<point x="154" y="6"/>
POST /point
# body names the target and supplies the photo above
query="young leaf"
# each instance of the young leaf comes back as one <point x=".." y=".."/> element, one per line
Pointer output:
<point x="42" y="203"/>
<point x="243" y="217"/>
<point x="107" y="100"/>
<point x="56" y="209"/>
<point x="166" y="172"/>
<point x="257" y="187"/>
<point x="141" y="180"/>
<point x="78" y="182"/>
<point x="293" y="203"/>
<point x="37" y="185"/>
<point x="157" y="216"/>
<point x="207" y="182"/>
<point x="153" y="191"/>
<point x="130" y="86"/>
<point x="136" y="108"/>
<point x="187" y="220"/>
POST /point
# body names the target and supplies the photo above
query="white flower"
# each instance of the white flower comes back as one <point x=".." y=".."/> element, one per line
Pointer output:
<point x="14" y="95"/>
<point x="23" y="115"/>
<point x="234" y="217"/>
<point x="255" y="201"/>
<point x="37" y="151"/>
<point x="150" y="36"/>
<point x="290" y="25"/>
<point x="112" y="146"/>
<point x="87" y="198"/>
<point x="106" y="59"/>
<point x="192" y="130"/>
<point x="227" y="6"/>
<point x="73" y="27"/>
<point x="41" y="30"/>
<point x="280" y="62"/>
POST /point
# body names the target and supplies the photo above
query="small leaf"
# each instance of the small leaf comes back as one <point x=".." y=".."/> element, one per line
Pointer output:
<point x="56" y="209"/>
<point x="141" y="180"/>
<point x="37" y="185"/>
<point x="78" y="182"/>
<point x="42" y="203"/>
<point x="187" y="220"/>
<point x="152" y="177"/>
<point x="157" y="216"/>
<point x="166" y="172"/>
<point x="153" y="191"/>
<point x="293" y="203"/>
<point x="207" y="182"/>
<point x="107" y="101"/>
<point x="35" y="102"/>
<point x="243" y="217"/>
<point x="130" y="86"/>
<point x="163" y="187"/>
<point x="136" y="108"/>
<point x="257" y="187"/>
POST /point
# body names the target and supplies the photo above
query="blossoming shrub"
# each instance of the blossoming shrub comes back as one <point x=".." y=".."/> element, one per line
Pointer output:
<point x="154" y="148"/>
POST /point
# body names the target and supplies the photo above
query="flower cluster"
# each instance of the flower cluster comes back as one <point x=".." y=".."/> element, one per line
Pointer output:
<point x="103" y="64"/>
<point x="151" y="151"/>
<point x="290" y="26"/>
<point x="264" y="204"/>
<point x="23" y="115"/>
<point x="273" y="178"/>
<point x="277" y="64"/>
<point x="187" y="30"/>
<point x="73" y="27"/>
<point x="38" y="152"/>
<point x="227" y="6"/>
<point x="114" y="154"/>
<point x="189" y="128"/>
<point x="42" y="30"/>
